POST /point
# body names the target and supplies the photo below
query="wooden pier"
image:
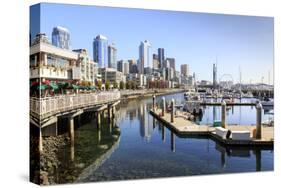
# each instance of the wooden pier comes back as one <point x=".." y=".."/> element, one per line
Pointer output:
<point x="184" y="127"/>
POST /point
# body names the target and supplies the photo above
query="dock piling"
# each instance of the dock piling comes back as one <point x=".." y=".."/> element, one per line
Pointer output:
<point x="259" y="121"/>
<point x="223" y="114"/>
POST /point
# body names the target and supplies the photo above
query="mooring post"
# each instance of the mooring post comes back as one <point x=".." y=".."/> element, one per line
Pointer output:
<point x="40" y="140"/>
<point x="223" y="114"/>
<point x="163" y="106"/>
<point x="172" y="110"/>
<point x="259" y="119"/>
<point x="71" y="129"/>
<point x="153" y="103"/>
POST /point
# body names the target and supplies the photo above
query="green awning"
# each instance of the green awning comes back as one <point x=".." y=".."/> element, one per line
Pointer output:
<point x="42" y="87"/>
<point x="64" y="85"/>
<point x="54" y="86"/>
<point x="92" y="87"/>
<point x="75" y="86"/>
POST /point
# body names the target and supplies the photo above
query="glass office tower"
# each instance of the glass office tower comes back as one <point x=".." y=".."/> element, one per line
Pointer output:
<point x="61" y="37"/>
<point x="100" y="51"/>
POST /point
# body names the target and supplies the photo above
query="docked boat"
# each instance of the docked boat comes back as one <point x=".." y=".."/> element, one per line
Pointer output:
<point x="267" y="102"/>
<point x="193" y="105"/>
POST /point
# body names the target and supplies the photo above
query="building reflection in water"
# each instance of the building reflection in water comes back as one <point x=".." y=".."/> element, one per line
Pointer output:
<point x="146" y="127"/>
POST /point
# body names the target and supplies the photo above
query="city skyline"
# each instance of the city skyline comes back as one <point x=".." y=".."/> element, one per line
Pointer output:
<point x="196" y="39"/>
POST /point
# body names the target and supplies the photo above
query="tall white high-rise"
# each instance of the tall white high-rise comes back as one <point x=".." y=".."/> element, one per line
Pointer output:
<point x="144" y="56"/>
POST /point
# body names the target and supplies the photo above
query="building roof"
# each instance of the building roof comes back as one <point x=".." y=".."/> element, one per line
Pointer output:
<point x="61" y="28"/>
<point x="101" y="37"/>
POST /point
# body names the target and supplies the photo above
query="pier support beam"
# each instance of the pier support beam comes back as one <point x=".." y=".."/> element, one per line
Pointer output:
<point x="259" y="121"/>
<point x="40" y="140"/>
<point x="71" y="129"/>
<point x="99" y="135"/>
<point x="173" y="143"/>
<point x="109" y="112"/>
<point x="163" y="106"/>
<point x="153" y="103"/>
<point x="98" y="120"/>
<point x="223" y="114"/>
<point x="113" y="111"/>
<point x="172" y="110"/>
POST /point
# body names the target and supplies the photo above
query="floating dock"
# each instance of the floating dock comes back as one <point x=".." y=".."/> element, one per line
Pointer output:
<point x="184" y="127"/>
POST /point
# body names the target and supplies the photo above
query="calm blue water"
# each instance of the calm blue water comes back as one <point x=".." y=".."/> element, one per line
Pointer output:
<point x="146" y="149"/>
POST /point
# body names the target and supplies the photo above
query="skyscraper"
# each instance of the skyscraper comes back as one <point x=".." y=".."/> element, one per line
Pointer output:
<point x="61" y="37"/>
<point x="100" y="51"/>
<point x="133" y="67"/>
<point x="143" y="56"/>
<point x="185" y="69"/>
<point x="112" y="52"/>
<point x="123" y="66"/>
<point x="161" y="57"/>
<point x="155" y="61"/>
<point x="214" y="75"/>
<point x="171" y="62"/>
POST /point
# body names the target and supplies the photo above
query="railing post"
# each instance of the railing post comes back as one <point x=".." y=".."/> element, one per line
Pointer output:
<point x="259" y="121"/>
<point x="223" y="114"/>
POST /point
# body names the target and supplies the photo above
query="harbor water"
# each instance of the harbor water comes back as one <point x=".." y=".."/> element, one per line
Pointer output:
<point x="144" y="148"/>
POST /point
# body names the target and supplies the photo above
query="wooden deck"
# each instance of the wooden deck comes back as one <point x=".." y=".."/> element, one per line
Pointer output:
<point x="183" y="126"/>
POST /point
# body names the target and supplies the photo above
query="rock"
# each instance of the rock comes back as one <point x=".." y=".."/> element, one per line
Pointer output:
<point x="80" y="165"/>
<point x="103" y="146"/>
<point x="115" y="137"/>
<point x="44" y="178"/>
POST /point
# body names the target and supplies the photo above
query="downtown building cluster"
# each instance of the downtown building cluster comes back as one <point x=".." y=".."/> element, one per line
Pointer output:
<point x="56" y="62"/>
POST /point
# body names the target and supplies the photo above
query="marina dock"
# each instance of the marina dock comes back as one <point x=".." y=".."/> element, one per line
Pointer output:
<point x="184" y="127"/>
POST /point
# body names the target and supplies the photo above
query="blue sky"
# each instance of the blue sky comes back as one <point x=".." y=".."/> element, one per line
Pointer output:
<point x="192" y="38"/>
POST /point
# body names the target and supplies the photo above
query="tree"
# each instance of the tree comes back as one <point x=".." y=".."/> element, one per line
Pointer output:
<point x="121" y="86"/>
<point x="128" y="85"/>
<point x="133" y="85"/>
<point x="99" y="84"/>
<point x="115" y="85"/>
<point x="107" y="85"/>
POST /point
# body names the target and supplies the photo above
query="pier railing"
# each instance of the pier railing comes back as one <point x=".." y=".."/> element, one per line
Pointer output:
<point x="52" y="105"/>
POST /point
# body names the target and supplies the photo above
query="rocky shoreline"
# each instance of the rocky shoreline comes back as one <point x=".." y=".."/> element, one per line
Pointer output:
<point x="49" y="162"/>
